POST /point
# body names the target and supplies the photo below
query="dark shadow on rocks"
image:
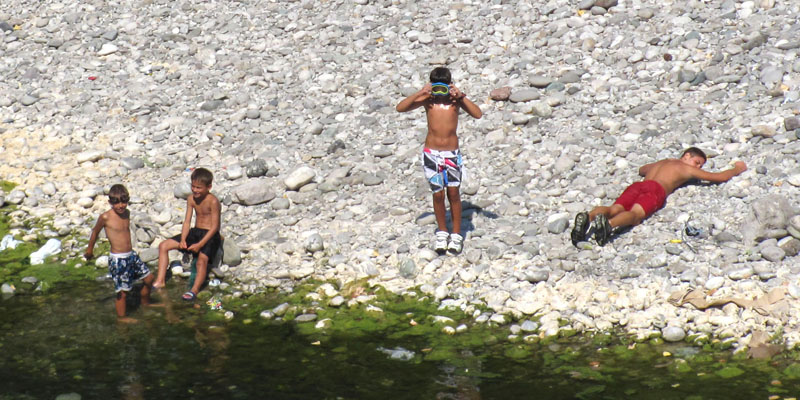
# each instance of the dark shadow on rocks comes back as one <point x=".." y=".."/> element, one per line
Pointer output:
<point x="468" y="212"/>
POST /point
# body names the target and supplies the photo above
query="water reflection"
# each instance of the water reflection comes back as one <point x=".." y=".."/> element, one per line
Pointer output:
<point x="68" y="340"/>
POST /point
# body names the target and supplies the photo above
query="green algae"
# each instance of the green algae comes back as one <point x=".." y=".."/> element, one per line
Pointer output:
<point x="7" y="186"/>
<point x="792" y="371"/>
<point x="597" y="362"/>
<point x="729" y="372"/>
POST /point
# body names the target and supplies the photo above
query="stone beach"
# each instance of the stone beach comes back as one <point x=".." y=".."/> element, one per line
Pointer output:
<point x="291" y="105"/>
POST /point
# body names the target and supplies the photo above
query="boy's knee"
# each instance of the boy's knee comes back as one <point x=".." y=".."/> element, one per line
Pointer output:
<point x="438" y="196"/>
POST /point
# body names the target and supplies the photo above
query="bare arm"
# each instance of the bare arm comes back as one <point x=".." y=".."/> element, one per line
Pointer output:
<point x="722" y="176"/>
<point x="187" y="223"/>
<point x="644" y="169"/>
<point x="416" y="100"/>
<point x="101" y="223"/>
<point x="466" y="104"/>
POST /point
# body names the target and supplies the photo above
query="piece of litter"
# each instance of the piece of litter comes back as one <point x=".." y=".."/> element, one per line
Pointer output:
<point x="51" y="248"/>
<point x="214" y="303"/>
<point x="9" y="242"/>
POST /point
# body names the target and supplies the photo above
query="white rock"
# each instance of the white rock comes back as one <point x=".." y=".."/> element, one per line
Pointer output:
<point x="299" y="177"/>
<point x="106" y="49"/>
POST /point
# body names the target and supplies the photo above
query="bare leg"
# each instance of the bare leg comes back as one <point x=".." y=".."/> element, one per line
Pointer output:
<point x="163" y="261"/>
<point x="119" y="304"/>
<point x="607" y="211"/>
<point x="439" y="210"/>
<point x="628" y="218"/>
<point x="454" y="197"/>
<point x="148" y="284"/>
<point x="202" y="271"/>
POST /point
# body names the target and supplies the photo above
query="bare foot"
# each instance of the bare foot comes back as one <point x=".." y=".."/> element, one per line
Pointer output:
<point x="127" y="320"/>
<point x="157" y="286"/>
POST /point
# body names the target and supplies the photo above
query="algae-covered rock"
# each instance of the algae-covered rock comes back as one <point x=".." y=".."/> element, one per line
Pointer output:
<point x="729" y="372"/>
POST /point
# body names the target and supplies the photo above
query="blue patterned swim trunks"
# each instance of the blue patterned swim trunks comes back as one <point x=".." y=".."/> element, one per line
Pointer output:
<point x="442" y="168"/>
<point x="125" y="269"/>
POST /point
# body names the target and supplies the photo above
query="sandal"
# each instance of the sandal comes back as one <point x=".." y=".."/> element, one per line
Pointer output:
<point x="189" y="296"/>
<point x="580" y="228"/>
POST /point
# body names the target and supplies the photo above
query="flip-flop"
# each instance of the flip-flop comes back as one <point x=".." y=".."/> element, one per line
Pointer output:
<point x="189" y="296"/>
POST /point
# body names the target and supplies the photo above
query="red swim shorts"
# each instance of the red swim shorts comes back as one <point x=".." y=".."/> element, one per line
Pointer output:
<point x="648" y="194"/>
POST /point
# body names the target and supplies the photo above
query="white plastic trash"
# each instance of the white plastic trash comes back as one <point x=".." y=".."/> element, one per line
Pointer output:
<point x="9" y="242"/>
<point x="51" y="248"/>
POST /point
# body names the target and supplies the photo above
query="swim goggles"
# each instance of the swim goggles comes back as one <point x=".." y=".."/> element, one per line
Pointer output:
<point x="117" y="200"/>
<point x="440" y="89"/>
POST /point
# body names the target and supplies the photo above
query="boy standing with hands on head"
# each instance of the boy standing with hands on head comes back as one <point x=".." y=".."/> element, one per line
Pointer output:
<point x="124" y="264"/>
<point x="441" y="158"/>
<point x="203" y="240"/>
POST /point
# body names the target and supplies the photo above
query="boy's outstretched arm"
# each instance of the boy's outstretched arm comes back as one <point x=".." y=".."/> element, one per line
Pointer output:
<point x="722" y="176"/>
<point x="101" y="222"/>
<point x="416" y="100"/>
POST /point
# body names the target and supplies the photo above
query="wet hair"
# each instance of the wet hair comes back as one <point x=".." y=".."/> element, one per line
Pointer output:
<point x="203" y="176"/>
<point x="694" y="151"/>
<point x="441" y="74"/>
<point x="118" y="190"/>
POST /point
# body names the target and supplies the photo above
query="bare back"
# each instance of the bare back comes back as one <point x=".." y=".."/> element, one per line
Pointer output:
<point x="206" y="212"/>
<point x="118" y="230"/>
<point x="670" y="174"/>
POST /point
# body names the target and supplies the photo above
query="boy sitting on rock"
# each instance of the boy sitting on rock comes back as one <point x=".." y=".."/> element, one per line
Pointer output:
<point x="441" y="159"/>
<point x="124" y="264"/>
<point x="642" y="199"/>
<point x="203" y="240"/>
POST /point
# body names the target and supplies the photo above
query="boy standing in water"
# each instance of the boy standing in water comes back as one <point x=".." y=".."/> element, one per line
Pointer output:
<point x="441" y="158"/>
<point x="641" y="199"/>
<point x="124" y="264"/>
<point x="202" y="240"/>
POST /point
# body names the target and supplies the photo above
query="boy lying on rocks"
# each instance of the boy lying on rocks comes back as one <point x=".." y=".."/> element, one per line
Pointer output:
<point x="641" y="199"/>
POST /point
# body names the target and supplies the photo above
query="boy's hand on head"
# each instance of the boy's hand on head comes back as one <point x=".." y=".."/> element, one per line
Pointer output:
<point x="425" y="93"/>
<point x="455" y="93"/>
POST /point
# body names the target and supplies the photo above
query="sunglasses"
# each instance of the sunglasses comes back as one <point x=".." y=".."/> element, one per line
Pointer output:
<point x="440" y="89"/>
<point x="117" y="200"/>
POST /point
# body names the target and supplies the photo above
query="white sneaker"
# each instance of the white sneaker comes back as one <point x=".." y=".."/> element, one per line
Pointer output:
<point x="456" y="243"/>
<point x="440" y="242"/>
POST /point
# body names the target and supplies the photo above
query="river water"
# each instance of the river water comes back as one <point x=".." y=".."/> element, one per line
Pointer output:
<point x="67" y="342"/>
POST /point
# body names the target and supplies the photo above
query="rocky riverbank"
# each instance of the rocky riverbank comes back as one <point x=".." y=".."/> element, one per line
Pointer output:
<point x="291" y="105"/>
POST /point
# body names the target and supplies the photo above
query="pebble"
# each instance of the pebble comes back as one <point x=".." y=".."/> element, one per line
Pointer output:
<point x="673" y="334"/>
